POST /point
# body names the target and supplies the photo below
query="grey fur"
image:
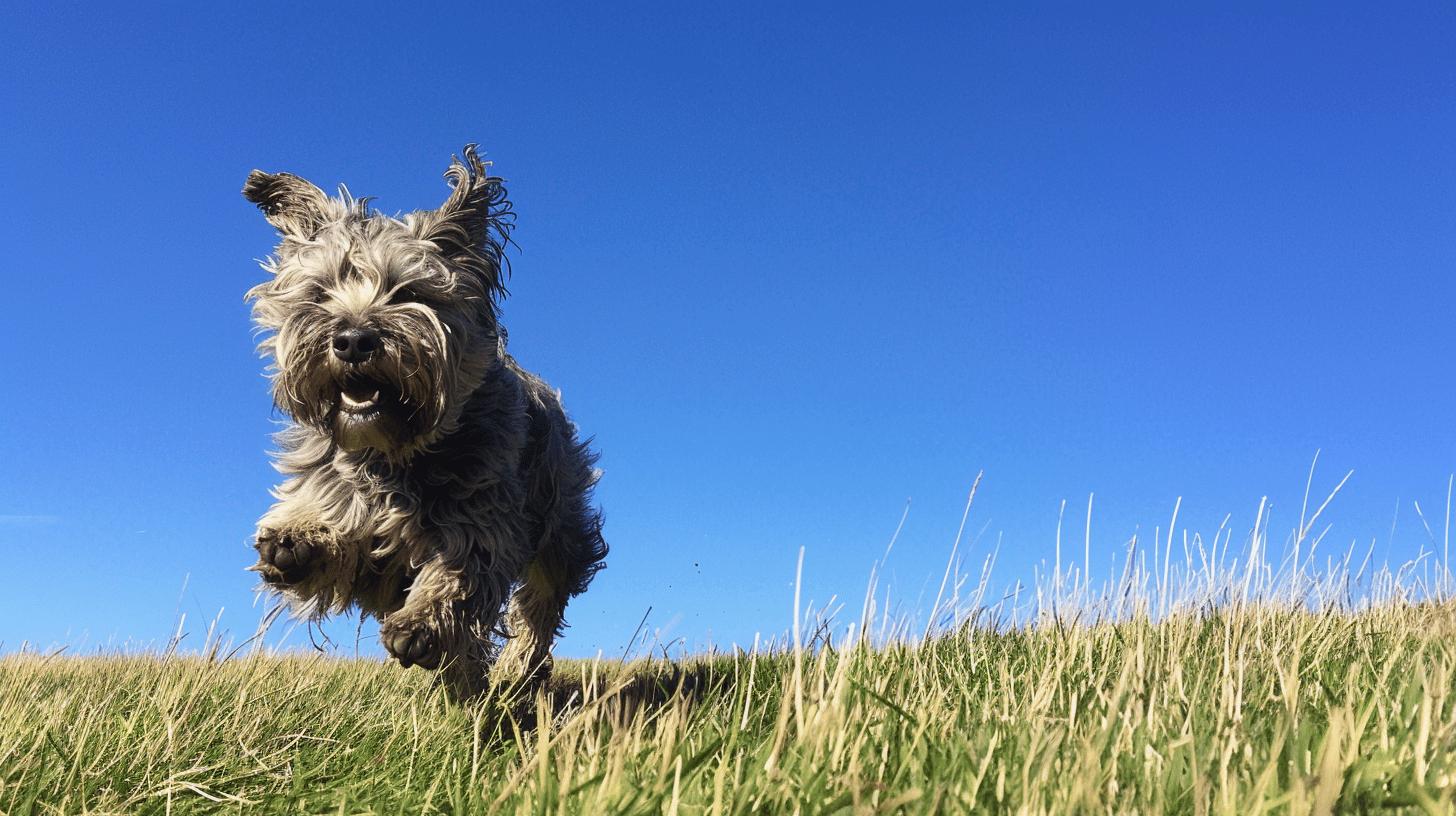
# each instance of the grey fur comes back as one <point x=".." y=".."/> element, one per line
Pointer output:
<point x="469" y="486"/>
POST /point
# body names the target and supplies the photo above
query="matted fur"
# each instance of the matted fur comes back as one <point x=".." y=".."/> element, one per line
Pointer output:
<point x="464" y="485"/>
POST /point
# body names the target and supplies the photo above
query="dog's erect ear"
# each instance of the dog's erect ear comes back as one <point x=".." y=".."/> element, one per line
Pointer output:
<point x="474" y="224"/>
<point x="292" y="204"/>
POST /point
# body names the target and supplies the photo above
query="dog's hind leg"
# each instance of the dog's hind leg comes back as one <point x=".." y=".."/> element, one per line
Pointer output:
<point x="565" y="533"/>
<point x="565" y="563"/>
<point x="534" y="619"/>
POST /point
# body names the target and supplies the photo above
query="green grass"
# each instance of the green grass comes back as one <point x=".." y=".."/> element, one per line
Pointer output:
<point x="1238" y="711"/>
<point x="1210" y="684"/>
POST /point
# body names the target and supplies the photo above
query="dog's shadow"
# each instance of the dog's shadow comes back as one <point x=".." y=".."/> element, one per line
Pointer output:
<point x="616" y="693"/>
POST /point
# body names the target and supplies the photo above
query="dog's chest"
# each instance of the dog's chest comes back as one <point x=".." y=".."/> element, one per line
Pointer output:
<point x="469" y="484"/>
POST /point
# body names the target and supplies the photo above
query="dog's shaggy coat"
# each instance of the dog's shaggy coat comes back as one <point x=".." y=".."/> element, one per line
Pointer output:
<point x="429" y="478"/>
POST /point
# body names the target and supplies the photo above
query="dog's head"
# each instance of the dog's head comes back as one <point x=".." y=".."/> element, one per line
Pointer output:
<point x="379" y="328"/>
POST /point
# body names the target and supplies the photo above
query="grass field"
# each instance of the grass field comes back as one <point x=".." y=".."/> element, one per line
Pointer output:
<point x="1228" y="713"/>
<point x="1193" y="689"/>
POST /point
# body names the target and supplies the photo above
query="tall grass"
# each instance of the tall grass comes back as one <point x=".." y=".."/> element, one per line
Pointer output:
<point x="1202" y="679"/>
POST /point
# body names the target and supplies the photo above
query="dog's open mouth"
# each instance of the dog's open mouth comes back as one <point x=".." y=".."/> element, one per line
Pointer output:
<point x="361" y="396"/>
<point x="369" y="414"/>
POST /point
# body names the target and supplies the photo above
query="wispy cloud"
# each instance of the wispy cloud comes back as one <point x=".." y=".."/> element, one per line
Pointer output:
<point x="26" y="520"/>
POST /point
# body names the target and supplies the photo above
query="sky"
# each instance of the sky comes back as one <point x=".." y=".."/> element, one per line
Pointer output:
<point x="791" y="265"/>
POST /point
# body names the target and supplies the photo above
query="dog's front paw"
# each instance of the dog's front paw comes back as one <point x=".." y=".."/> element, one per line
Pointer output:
<point x="412" y="642"/>
<point x="286" y="557"/>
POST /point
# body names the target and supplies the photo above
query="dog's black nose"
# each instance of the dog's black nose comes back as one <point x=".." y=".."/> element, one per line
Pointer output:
<point x="355" y="345"/>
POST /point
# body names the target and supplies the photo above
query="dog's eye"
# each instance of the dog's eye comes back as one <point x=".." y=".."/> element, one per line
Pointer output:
<point x="405" y="295"/>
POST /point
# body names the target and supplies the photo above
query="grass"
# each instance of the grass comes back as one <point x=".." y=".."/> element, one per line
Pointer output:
<point x="1240" y="712"/>
<point x="1191" y="688"/>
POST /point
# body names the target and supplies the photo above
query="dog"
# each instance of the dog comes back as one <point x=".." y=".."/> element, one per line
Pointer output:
<point x="429" y="479"/>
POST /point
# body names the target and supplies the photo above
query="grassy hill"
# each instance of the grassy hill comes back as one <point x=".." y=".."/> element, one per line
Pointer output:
<point x="1254" y="707"/>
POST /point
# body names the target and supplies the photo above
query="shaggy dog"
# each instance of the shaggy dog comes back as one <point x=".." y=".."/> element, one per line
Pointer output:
<point x="428" y="477"/>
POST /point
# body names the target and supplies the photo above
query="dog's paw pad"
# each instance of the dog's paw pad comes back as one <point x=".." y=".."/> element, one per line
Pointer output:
<point x="284" y="558"/>
<point x="412" y="645"/>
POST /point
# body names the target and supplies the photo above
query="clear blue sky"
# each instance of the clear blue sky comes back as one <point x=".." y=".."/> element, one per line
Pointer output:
<point x="789" y="264"/>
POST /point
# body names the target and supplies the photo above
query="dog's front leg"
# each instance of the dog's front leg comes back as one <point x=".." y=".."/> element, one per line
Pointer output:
<point x="304" y="559"/>
<point x="447" y="619"/>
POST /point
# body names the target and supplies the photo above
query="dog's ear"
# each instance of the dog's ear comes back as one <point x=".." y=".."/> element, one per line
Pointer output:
<point x="473" y="226"/>
<point x="292" y="204"/>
